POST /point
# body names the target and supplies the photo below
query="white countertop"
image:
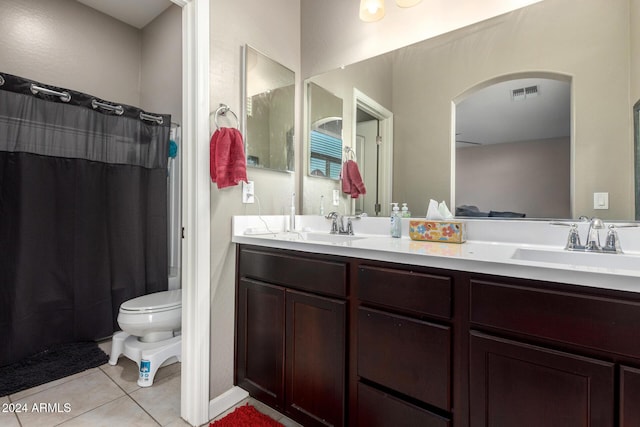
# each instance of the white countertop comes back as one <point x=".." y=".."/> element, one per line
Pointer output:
<point x="489" y="249"/>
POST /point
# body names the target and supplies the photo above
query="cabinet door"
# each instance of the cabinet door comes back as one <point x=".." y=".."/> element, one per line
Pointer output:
<point x="516" y="384"/>
<point x="260" y="341"/>
<point x="629" y="397"/>
<point x="315" y="389"/>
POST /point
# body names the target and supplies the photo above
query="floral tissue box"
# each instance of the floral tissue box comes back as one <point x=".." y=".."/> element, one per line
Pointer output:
<point x="438" y="231"/>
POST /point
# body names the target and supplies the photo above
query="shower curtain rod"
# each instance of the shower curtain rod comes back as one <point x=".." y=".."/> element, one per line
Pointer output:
<point x="64" y="96"/>
<point x="119" y="110"/>
<point x="158" y="119"/>
<point x="115" y="108"/>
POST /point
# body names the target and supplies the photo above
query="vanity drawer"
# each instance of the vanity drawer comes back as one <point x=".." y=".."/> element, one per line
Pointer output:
<point x="299" y="272"/>
<point x="597" y="322"/>
<point x="407" y="355"/>
<point x="406" y="290"/>
<point x="376" y="408"/>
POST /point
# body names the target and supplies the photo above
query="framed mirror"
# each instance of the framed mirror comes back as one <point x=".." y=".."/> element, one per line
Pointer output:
<point x="268" y="106"/>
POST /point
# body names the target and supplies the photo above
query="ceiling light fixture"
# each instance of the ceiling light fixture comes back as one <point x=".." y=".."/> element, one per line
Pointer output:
<point x="373" y="10"/>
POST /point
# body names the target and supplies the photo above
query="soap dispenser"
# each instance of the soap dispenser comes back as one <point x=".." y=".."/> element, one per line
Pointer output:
<point x="405" y="211"/>
<point x="396" y="223"/>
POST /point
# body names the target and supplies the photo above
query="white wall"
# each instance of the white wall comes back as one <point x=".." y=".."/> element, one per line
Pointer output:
<point x="67" y="44"/>
<point x="161" y="67"/>
<point x="272" y="28"/>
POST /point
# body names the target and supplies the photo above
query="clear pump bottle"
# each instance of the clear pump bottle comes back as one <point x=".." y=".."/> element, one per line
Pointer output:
<point x="396" y="222"/>
<point x="405" y="211"/>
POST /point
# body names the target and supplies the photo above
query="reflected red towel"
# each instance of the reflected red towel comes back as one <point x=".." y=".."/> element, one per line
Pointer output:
<point x="228" y="165"/>
<point x="352" y="180"/>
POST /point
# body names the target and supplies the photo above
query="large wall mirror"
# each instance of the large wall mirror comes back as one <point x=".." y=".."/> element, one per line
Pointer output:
<point x="268" y="111"/>
<point x="586" y="49"/>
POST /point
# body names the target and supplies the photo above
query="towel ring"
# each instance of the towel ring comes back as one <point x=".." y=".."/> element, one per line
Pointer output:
<point x="350" y="153"/>
<point x="222" y="111"/>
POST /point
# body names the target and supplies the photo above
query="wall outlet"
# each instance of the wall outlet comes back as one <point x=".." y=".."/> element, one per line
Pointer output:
<point x="600" y="200"/>
<point x="336" y="197"/>
<point x="248" y="192"/>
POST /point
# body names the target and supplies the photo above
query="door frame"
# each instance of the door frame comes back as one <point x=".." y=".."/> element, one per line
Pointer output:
<point x="385" y="117"/>
<point x="196" y="286"/>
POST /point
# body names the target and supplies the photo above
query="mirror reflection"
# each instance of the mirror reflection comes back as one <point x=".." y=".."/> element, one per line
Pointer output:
<point x="422" y="84"/>
<point x="519" y="129"/>
<point x="325" y="136"/>
<point x="268" y="111"/>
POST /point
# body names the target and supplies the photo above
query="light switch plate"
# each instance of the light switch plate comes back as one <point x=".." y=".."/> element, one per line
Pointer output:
<point x="336" y="197"/>
<point x="600" y="200"/>
<point x="247" y="192"/>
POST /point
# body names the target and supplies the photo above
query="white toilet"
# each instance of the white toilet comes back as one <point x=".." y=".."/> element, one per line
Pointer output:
<point x="150" y="333"/>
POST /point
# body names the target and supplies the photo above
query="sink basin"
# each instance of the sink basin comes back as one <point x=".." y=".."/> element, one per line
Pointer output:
<point x="330" y="238"/>
<point x="583" y="259"/>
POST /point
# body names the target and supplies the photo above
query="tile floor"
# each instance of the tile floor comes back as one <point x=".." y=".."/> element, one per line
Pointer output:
<point x="106" y="396"/>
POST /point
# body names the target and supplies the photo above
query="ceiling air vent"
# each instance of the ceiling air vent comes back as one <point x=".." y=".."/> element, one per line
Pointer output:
<point x="524" y="93"/>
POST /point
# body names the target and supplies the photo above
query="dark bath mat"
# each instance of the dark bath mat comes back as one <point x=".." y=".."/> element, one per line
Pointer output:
<point x="57" y="362"/>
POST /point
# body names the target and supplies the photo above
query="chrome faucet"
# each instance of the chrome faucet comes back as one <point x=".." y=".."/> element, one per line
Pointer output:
<point x="337" y="224"/>
<point x="612" y="242"/>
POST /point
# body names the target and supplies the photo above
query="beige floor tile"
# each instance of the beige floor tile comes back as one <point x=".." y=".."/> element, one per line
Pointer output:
<point x="125" y="374"/>
<point x="69" y="399"/>
<point x="287" y="422"/>
<point x="120" y="412"/>
<point x="28" y="392"/>
<point x="267" y="410"/>
<point x="105" y="346"/>
<point x="161" y="400"/>
<point x="181" y="423"/>
<point x="8" y="411"/>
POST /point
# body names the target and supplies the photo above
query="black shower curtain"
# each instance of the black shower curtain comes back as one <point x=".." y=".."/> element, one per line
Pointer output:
<point x="83" y="215"/>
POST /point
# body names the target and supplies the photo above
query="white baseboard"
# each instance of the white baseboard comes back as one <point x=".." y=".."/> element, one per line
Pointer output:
<point x="226" y="400"/>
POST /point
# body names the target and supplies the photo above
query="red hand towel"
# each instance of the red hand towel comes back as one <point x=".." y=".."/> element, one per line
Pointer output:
<point x="346" y="181"/>
<point x="228" y="165"/>
<point x="352" y="180"/>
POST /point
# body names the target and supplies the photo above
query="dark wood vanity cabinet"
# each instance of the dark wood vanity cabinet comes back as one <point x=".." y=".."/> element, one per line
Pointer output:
<point x="291" y="334"/>
<point x="333" y="341"/>
<point x="553" y="355"/>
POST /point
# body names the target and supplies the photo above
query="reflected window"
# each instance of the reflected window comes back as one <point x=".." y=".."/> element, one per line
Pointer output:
<point x="325" y="133"/>
<point x="326" y="148"/>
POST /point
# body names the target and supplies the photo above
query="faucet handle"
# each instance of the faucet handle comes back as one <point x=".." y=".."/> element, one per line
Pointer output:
<point x="573" y="240"/>
<point x="349" y="227"/>
<point x="612" y="243"/>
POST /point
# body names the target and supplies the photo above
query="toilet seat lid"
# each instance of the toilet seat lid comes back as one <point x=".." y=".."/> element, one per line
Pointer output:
<point x="158" y="301"/>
